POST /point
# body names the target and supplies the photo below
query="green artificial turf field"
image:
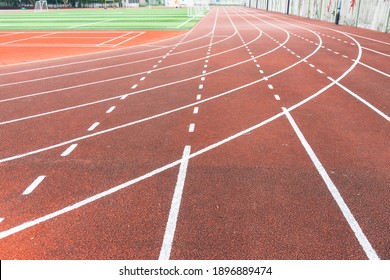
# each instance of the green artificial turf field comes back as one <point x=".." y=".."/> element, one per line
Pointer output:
<point x="99" y="19"/>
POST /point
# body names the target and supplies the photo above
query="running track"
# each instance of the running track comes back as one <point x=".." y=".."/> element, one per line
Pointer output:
<point x="253" y="136"/>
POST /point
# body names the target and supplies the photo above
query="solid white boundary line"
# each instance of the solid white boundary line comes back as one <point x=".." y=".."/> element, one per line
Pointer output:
<point x="374" y="69"/>
<point x="372" y="107"/>
<point x="366" y="245"/>
<point x="115" y="38"/>
<point x="175" y="207"/>
<point x="29" y="38"/>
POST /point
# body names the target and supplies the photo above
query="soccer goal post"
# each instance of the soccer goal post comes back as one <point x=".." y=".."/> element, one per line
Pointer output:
<point x="40" y="6"/>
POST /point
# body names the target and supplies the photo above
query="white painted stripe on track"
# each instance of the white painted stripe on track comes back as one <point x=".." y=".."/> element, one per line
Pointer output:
<point x="34" y="185"/>
<point x="196" y="110"/>
<point x="115" y="38"/>
<point x="93" y="126"/>
<point x="69" y="150"/>
<point x="191" y="128"/>
<point x="170" y="228"/>
<point x="366" y="245"/>
<point x="110" y="110"/>
<point x="374" y="69"/>
<point x="365" y="102"/>
<point x="33" y="37"/>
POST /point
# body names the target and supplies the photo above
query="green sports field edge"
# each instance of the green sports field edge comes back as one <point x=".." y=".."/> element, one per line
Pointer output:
<point x="99" y="19"/>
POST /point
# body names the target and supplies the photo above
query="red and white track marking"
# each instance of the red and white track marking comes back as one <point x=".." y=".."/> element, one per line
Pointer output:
<point x="252" y="136"/>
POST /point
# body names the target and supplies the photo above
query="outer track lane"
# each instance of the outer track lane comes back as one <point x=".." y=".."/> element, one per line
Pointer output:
<point x="262" y="164"/>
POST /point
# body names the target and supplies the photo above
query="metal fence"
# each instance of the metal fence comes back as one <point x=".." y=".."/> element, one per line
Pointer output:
<point x="371" y="14"/>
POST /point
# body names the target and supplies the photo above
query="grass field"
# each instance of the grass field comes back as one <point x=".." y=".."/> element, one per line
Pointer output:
<point x="99" y="19"/>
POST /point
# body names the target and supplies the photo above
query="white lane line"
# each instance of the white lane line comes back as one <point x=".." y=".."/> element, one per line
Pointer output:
<point x="200" y="86"/>
<point x="366" y="245"/>
<point x="319" y="71"/>
<point x="381" y="53"/>
<point x="111" y="109"/>
<point x="69" y="150"/>
<point x="92" y="127"/>
<point x="143" y="78"/>
<point x="374" y="69"/>
<point x="191" y="128"/>
<point x="372" y="107"/>
<point x="184" y="22"/>
<point x="170" y="229"/>
<point x="196" y="110"/>
<point x="270" y="86"/>
<point x="203" y="79"/>
<point x="277" y="97"/>
<point x="1" y="219"/>
<point x="311" y="65"/>
<point x="198" y="97"/>
<point x="134" y="86"/>
<point x="113" y="39"/>
<point x="124" y="96"/>
<point x="28" y="38"/>
<point x="261" y="71"/>
<point x="33" y="185"/>
<point x="128" y="39"/>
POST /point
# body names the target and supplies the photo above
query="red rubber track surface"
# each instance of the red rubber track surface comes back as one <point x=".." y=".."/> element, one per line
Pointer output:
<point x="285" y="123"/>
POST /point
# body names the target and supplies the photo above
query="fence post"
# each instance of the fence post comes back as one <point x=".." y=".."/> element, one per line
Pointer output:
<point x="338" y="11"/>
<point x="388" y="19"/>
<point x="288" y="6"/>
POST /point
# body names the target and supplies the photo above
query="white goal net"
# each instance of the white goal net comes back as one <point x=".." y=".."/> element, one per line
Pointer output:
<point x="197" y="8"/>
<point x="40" y="6"/>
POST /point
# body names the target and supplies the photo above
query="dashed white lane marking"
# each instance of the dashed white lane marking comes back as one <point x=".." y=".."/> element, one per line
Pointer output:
<point x="345" y="56"/>
<point x="370" y="252"/>
<point x="261" y="71"/>
<point x="191" y="128"/>
<point x="270" y="86"/>
<point x="33" y="185"/>
<point x="1" y="219"/>
<point x="202" y="79"/>
<point x="198" y="97"/>
<point x="110" y="110"/>
<point x="134" y="86"/>
<point x="69" y="150"/>
<point x="154" y="66"/>
<point x="205" y="66"/>
<point x="143" y="78"/>
<point x="196" y="110"/>
<point x="92" y="127"/>
<point x="311" y="65"/>
<point x="319" y="71"/>
<point x="200" y="86"/>
<point x="277" y="97"/>
<point x="124" y="96"/>
<point x="170" y="229"/>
